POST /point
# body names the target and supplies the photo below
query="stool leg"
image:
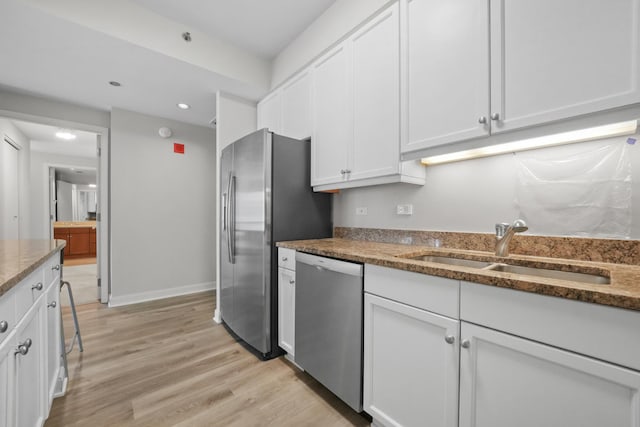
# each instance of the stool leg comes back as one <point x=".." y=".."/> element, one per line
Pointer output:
<point x="76" y="325"/>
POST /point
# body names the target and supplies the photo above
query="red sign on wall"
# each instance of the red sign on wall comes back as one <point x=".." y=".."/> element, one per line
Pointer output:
<point x="178" y="148"/>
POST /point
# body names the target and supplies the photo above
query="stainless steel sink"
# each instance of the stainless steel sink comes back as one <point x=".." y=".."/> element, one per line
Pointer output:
<point x="593" y="279"/>
<point x="451" y="261"/>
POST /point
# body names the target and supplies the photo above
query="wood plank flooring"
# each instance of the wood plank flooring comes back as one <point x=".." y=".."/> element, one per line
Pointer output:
<point x="166" y="363"/>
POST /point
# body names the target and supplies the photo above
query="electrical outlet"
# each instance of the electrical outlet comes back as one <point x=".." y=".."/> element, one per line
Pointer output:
<point x="404" y="209"/>
<point x="361" y="211"/>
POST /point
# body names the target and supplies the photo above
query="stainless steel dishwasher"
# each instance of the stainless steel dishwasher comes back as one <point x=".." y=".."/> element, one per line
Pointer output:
<point x="328" y="319"/>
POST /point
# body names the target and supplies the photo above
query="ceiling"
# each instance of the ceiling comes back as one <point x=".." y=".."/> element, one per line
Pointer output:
<point x="49" y="51"/>
<point x="261" y="27"/>
<point x="79" y="176"/>
<point x="43" y="138"/>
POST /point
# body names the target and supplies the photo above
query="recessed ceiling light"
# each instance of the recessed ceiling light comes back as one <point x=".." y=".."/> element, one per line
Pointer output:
<point x="115" y="83"/>
<point x="66" y="135"/>
<point x="183" y="106"/>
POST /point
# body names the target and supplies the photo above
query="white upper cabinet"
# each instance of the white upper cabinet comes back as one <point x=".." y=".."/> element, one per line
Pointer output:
<point x="270" y="113"/>
<point x="296" y="107"/>
<point x="473" y="68"/>
<point x="445" y="71"/>
<point x="356" y="110"/>
<point x="332" y="120"/>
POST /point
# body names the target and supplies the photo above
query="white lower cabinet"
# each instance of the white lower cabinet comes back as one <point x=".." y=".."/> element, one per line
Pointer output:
<point x="30" y="348"/>
<point x="286" y="300"/>
<point x="7" y="347"/>
<point x="30" y="369"/>
<point x="508" y="381"/>
<point x="410" y="365"/>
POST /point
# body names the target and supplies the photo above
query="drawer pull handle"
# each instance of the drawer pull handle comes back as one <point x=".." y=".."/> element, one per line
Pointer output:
<point x="22" y="349"/>
<point x="37" y="287"/>
<point x="4" y="325"/>
<point x="284" y="258"/>
<point x="53" y="304"/>
<point x="292" y="282"/>
<point x="450" y="339"/>
<point x="465" y="344"/>
<point x="56" y="267"/>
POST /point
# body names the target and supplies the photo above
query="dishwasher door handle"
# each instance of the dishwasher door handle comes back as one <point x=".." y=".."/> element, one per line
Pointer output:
<point x="330" y="264"/>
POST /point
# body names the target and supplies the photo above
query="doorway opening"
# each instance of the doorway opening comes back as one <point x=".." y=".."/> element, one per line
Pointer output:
<point x="66" y="196"/>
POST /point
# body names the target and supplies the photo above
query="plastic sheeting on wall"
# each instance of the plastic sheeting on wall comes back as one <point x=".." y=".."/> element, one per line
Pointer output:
<point x="580" y="193"/>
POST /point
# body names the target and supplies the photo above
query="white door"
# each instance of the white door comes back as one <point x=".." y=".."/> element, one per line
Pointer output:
<point x="296" y="107"/>
<point x="10" y="192"/>
<point x="332" y="118"/>
<point x="555" y="59"/>
<point x="270" y="113"/>
<point x="286" y="309"/>
<point x="445" y="72"/>
<point x="376" y="97"/>
<point x="507" y="381"/>
<point x="410" y="365"/>
<point x="53" y="351"/>
<point x="7" y="393"/>
<point x="29" y="371"/>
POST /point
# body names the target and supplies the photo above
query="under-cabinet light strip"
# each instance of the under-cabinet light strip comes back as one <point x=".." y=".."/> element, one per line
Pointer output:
<point x="617" y="129"/>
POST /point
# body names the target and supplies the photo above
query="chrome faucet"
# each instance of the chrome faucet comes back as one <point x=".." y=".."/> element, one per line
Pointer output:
<point x="504" y="233"/>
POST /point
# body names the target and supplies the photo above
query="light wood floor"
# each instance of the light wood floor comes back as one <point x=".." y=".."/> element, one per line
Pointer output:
<point x="79" y="261"/>
<point x="166" y="363"/>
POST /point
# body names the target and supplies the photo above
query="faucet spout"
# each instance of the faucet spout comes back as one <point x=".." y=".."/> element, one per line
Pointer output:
<point x="504" y="233"/>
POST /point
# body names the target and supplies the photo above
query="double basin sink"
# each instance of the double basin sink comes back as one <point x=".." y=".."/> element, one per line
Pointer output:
<point x="578" y="273"/>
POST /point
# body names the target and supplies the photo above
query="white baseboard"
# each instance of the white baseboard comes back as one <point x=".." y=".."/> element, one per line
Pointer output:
<point x="118" y="301"/>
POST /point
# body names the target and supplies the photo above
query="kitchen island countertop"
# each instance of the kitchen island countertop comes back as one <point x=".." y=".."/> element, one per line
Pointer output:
<point x="19" y="258"/>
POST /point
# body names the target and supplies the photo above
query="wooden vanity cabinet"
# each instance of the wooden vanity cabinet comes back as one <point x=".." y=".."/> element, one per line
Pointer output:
<point x="81" y="241"/>
<point x="62" y="233"/>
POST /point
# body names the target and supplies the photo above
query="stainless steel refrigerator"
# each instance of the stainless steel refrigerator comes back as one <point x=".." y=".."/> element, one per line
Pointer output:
<point x="266" y="197"/>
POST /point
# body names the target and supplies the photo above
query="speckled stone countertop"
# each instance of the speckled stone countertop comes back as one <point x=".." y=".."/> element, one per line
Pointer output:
<point x="74" y="224"/>
<point x="19" y="258"/>
<point x="623" y="291"/>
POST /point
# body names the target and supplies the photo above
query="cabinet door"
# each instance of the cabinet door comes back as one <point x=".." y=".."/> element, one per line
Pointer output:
<point x="270" y="113"/>
<point x="29" y="370"/>
<point x="7" y="348"/>
<point x="410" y="371"/>
<point x="376" y="97"/>
<point x="53" y="351"/>
<point x="445" y="71"/>
<point x="62" y="234"/>
<point x="296" y="107"/>
<point x="507" y="381"/>
<point x="286" y="310"/>
<point x="79" y="242"/>
<point x="552" y="59"/>
<point x="332" y="118"/>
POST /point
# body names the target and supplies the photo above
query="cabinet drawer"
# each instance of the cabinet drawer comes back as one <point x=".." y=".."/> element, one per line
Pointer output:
<point x="436" y="294"/>
<point x="7" y="314"/>
<point x="52" y="269"/>
<point x="28" y="291"/>
<point x="606" y="333"/>
<point x="287" y="258"/>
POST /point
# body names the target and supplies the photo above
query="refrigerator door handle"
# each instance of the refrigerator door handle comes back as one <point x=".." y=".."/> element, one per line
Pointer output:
<point x="227" y="223"/>
<point x="231" y="233"/>
<point x="224" y="211"/>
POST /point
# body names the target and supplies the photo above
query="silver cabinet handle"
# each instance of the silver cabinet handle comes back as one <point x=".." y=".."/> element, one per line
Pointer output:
<point x="56" y="267"/>
<point x="348" y="171"/>
<point x="495" y="116"/>
<point x="22" y="349"/>
<point x="53" y="304"/>
<point x="465" y="344"/>
<point x="291" y="282"/>
<point x="343" y="171"/>
<point x="450" y="339"/>
<point x="28" y="342"/>
<point x="482" y="120"/>
<point x="4" y="325"/>
<point x="37" y="287"/>
<point x="284" y="258"/>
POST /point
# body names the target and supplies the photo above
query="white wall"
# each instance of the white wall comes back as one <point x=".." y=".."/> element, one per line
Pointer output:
<point x="162" y="208"/>
<point x="334" y="24"/>
<point x="64" y="199"/>
<point x="39" y="195"/>
<point x="24" y="158"/>
<point x="468" y="196"/>
<point x="236" y="118"/>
